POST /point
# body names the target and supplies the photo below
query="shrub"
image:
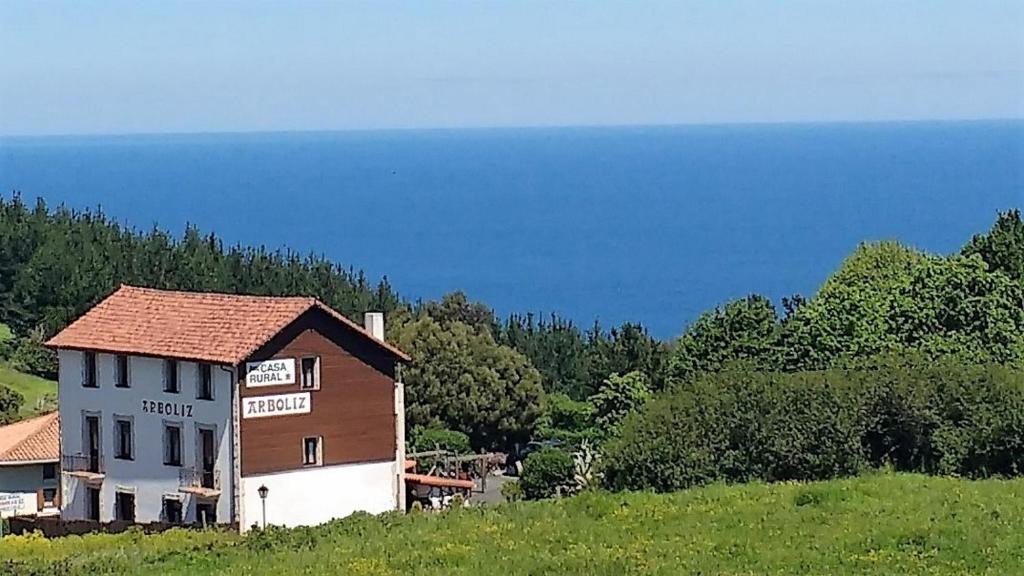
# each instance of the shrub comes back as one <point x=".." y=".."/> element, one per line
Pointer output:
<point x="565" y="420"/>
<point x="617" y="396"/>
<point x="512" y="491"/>
<point x="31" y="355"/>
<point x="912" y="414"/>
<point x="426" y="439"/>
<point x="546" y="473"/>
<point x="10" y="403"/>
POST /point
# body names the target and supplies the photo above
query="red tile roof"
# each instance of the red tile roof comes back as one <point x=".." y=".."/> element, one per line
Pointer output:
<point x="33" y="440"/>
<point x="203" y="326"/>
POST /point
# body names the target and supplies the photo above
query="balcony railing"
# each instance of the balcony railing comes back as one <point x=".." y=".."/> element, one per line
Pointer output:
<point x="85" y="465"/>
<point x="199" y="481"/>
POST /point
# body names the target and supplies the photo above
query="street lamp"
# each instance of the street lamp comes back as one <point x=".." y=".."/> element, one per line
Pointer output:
<point x="263" y="490"/>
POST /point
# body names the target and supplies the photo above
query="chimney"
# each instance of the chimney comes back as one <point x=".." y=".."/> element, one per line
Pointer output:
<point x="374" y="324"/>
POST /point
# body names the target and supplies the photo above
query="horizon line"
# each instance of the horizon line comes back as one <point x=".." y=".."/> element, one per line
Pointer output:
<point x="498" y="127"/>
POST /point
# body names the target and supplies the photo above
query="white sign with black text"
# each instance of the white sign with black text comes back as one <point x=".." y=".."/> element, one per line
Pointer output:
<point x="270" y="372"/>
<point x="11" y="503"/>
<point x="276" y="405"/>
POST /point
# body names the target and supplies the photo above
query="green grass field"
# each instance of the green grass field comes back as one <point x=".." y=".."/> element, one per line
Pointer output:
<point x="40" y="394"/>
<point x="877" y="524"/>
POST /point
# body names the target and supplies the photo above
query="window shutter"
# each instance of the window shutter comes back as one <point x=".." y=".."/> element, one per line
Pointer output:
<point x="40" y="501"/>
<point x="56" y="497"/>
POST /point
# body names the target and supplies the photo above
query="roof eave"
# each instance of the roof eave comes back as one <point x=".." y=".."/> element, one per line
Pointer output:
<point x="13" y="463"/>
<point x="185" y="358"/>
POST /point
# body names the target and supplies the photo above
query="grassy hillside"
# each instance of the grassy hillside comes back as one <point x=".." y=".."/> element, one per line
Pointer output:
<point x="880" y="524"/>
<point x="40" y="394"/>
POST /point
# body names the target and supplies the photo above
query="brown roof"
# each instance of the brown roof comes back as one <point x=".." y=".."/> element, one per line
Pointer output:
<point x="204" y="326"/>
<point x="33" y="440"/>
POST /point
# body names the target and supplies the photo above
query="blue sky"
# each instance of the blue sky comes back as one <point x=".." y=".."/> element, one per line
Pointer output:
<point x="128" y="67"/>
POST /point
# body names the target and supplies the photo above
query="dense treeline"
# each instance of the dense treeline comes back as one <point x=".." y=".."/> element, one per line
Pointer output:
<point x="501" y="382"/>
<point x="473" y="372"/>
<point x="56" y="264"/>
<point x="901" y="359"/>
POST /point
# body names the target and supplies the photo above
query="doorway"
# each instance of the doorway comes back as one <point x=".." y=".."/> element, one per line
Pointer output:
<point x="92" y="503"/>
<point x="207" y="458"/>
<point x="92" y="442"/>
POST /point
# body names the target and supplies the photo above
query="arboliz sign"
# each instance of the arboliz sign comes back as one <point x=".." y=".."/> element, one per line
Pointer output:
<point x="275" y="405"/>
<point x="270" y="373"/>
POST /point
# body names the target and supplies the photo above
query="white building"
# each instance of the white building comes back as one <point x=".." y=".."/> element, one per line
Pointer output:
<point x="180" y="406"/>
<point x="29" y="456"/>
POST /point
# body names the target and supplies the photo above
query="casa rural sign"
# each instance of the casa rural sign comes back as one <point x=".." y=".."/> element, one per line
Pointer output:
<point x="276" y="405"/>
<point x="270" y="372"/>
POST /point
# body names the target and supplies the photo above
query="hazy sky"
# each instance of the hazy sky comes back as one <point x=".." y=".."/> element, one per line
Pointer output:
<point x="114" y="67"/>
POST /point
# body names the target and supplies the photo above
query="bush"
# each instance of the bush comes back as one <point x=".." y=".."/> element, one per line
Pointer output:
<point x="546" y="473"/>
<point x="31" y="355"/>
<point x="512" y="491"/>
<point x="10" y="404"/>
<point x="938" y="417"/>
<point x="426" y="439"/>
<point x="6" y="342"/>
<point x="565" y="420"/>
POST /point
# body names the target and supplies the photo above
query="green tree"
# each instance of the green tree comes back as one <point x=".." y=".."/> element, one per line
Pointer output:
<point x="742" y="330"/>
<point x="557" y="349"/>
<point x="566" y="420"/>
<point x="850" y="316"/>
<point x="32" y="356"/>
<point x="957" y="306"/>
<point x="1002" y="248"/>
<point x="456" y="307"/>
<point x="10" y="404"/>
<point x="888" y="298"/>
<point x="617" y="397"/>
<point x="427" y="439"/>
<point x="461" y="379"/>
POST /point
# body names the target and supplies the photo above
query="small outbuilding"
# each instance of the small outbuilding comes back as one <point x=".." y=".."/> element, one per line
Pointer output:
<point x="29" y="466"/>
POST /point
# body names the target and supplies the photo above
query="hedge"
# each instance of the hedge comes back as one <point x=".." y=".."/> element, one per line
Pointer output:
<point x="944" y="417"/>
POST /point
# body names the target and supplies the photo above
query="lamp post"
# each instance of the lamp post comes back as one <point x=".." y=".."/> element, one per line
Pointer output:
<point x="263" y="490"/>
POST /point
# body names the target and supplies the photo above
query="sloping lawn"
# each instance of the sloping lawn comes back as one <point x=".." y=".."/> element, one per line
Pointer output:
<point x="878" y="524"/>
<point x="33" y="388"/>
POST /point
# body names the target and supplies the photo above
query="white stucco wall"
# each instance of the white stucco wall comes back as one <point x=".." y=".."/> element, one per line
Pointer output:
<point x="25" y="481"/>
<point x="147" y="476"/>
<point x="316" y="495"/>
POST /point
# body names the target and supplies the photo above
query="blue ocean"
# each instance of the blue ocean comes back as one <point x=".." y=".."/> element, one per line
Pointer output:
<point x="648" y="224"/>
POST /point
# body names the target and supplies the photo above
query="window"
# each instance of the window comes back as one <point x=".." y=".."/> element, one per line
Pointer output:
<point x="89" y="380"/>
<point x="47" y="499"/>
<point x="49" y="472"/>
<point x="123" y="439"/>
<point x="311" y="373"/>
<point x="172" y="444"/>
<point x="171" y="376"/>
<point x="312" y="451"/>
<point x="121" y="371"/>
<point x="92" y="503"/>
<point x="172" y="510"/>
<point x="124" y="506"/>
<point x="204" y="389"/>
